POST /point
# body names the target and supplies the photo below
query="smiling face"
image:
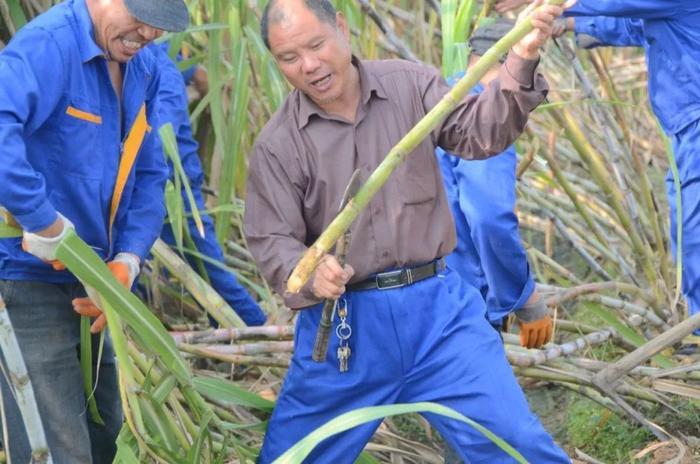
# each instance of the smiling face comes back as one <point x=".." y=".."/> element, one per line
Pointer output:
<point x="314" y="55"/>
<point x="117" y="32"/>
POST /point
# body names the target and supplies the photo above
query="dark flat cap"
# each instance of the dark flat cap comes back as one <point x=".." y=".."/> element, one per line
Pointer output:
<point x="484" y="37"/>
<point x="168" y="15"/>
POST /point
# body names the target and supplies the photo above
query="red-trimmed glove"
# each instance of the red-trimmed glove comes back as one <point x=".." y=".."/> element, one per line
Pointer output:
<point x="125" y="268"/>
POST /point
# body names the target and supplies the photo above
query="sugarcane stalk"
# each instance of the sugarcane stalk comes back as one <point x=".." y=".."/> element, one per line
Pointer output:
<point x="240" y="359"/>
<point x="557" y="295"/>
<point x="403" y="50"/>
<point x="590" y="260"/>
<point x="611" y="374"/>
<point x="600" y="172"/>
<point x="628" y="307"/>
<point x="558" y="268"/>
<point x="271" y="332"/>
<point x="397" y="155"/>
<point x="18" y="379"/>
<point x="559" y="175"/>
<point x="549" y="352"/>
<point x="212" y="302"/>
<point x="249" y="349"/>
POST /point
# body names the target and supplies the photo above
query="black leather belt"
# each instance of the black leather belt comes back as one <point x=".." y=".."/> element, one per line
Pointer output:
<point x="399" y="277"/>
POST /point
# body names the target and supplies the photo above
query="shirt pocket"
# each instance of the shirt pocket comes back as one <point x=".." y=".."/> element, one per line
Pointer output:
<point x="80" y="151"/>
<point x="417" y="176"/>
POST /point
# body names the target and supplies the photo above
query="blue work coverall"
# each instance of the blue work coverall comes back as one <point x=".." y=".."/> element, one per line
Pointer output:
<point x="62" y="132"/>
<point x="669" y="31"/>
<point x="173" y="108"/>
<point x="489" y="253"/>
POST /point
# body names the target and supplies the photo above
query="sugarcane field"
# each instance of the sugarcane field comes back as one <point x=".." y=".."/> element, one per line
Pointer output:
<point x="350" y="231"/>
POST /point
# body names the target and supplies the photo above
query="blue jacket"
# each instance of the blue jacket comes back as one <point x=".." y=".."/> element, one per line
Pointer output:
<point x="617" y="32"/>
<point x="173" y="108"/>
<point x="671" y="30"/>
<point x="489" y="253"/>
<point x="62" y="133"/>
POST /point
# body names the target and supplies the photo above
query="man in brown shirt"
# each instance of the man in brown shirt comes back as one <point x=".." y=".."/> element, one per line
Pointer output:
<point x="418" y="333"/>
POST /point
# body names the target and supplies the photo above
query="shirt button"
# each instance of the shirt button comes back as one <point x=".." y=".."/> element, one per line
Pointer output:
<point x="385" y="254"/>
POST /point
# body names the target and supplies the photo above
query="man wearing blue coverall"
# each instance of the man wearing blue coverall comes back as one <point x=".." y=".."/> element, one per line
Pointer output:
<point x="173" y="108"/>
<point x="77" y="103"/>
<point x="489" y="254"/>
<point x="669" y="31"/>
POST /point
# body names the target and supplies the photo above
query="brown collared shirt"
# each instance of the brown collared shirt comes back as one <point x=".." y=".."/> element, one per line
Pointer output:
<point x="303" y="159"/>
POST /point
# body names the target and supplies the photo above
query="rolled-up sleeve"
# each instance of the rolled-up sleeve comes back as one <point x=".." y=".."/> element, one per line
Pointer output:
<point x="486" y="124"/>
<point x="275" y="228"/>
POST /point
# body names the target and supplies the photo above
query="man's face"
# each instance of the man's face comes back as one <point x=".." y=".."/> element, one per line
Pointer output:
<point x="313" y="55"/>
<point x="120" y="34"/>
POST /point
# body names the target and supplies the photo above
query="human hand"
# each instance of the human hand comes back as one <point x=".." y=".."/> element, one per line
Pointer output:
<point x="535" y="323"/>
<point x="125" y="268"/>
<point x="330" y="278"/>
<point x="43" y="243"/>
<point x="562" y="26"/>
<point x="542" y="17"/>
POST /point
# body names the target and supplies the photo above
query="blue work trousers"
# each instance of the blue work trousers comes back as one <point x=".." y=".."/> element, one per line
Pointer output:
<point x="48" y="332"/>
<point x="686" y="147"/>
<point x="426" y="342"/>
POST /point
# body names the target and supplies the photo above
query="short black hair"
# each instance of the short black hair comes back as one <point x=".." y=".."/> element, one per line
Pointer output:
<point x="322" y="9"/>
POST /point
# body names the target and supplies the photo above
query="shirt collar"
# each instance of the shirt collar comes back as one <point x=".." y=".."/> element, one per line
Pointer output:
<point x="86" y="40"/>
<point x="369" y="84"/>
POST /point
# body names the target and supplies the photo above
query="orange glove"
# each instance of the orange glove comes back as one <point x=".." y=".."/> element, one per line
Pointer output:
<point x="124" y="268"/>
<point x="535" y="324"/>
<point x="536" y="333"/>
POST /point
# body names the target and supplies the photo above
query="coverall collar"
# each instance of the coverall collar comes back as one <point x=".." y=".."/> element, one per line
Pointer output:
<point x="86" y="39"/>
<point x="368" y="84"/>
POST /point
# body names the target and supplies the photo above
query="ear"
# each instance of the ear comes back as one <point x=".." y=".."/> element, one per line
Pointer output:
<point x="342" y="25"/>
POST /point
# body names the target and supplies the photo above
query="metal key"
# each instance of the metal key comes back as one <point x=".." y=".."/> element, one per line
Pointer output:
<point x="343" y="354"/>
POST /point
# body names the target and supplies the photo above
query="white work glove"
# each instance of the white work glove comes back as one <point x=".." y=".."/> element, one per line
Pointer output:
<point x="44" y="248"/>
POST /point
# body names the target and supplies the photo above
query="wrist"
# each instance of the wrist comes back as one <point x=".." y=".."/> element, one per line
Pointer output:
<point x="526" y="53"/>
<point x="132" y="262"/>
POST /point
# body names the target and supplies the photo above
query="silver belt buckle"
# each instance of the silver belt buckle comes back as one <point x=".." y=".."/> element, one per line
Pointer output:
<point x="389" y="274"/>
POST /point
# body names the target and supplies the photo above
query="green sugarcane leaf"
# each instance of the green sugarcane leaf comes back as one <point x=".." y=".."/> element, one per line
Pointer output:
<point x="297" y="453"/>
<point x="127" y="448"/>
<point x="8" y="231"/>
<point x="158" y="424"/>
<point x="167" y="135"/>
<point x="173" y="204"/>
<point x="366" y="458"/>
<point x="84" y="263"/>
<point x="227" y="392"/>
<point x="448" y="13"/>
<point x="86" y="367"/>
<point x="195" y="453"/>
<point x="161" y="393"/>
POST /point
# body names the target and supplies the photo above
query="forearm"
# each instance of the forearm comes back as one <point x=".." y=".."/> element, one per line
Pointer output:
<point x="485" y="125"/>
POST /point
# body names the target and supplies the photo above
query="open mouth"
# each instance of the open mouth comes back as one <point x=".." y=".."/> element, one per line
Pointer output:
<point x="321" y="83"/>
<point x="131" y="44"/>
